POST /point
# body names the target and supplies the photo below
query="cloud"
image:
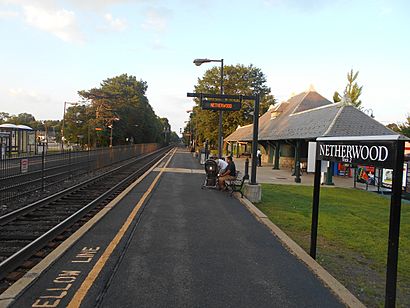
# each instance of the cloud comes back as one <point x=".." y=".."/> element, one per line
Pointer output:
<point x="8" y="14"/>
<point x="99" y="4"/>
<point x="116" y="24"/>
<point x="157" y="44"/>
<point x="305" y="5"/>
<point x="156" y="19"/>
<point x="25" y="94"/>
<point x="59" y="22"/>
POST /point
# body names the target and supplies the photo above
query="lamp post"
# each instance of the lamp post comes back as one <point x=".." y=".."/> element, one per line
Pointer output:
<point x="111" y="127"/>
<point x="198" y="62"/>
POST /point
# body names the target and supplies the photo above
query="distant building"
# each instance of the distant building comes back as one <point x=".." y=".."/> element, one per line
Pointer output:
<point x="16" y="140"/>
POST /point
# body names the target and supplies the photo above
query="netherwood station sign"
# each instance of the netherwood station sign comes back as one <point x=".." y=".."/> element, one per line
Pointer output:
<point x="382" y="151"/>
<point x="220" y="105"/>
<point x="369" y="153"/>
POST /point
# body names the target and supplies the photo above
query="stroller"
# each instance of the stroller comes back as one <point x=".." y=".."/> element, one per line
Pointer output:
<point x="211" y="171"/>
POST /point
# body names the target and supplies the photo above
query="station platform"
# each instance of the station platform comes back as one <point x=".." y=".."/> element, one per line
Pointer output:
<point x="168" y="243"/>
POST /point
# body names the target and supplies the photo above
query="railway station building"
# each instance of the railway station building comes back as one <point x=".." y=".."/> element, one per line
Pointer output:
<point x="286" y="128"/>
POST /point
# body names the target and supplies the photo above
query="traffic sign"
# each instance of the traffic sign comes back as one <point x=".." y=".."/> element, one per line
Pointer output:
<point x="24" y="165"/>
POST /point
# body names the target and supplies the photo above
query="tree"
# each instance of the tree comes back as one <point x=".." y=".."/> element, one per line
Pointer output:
<point x="76" y="127"/>
<point x="174" y="137"/>
<point x="402" y="128"/>
<point x="4" y="117"/>
<point x="352" y="91"/>
<point x="121" y="102"/>
<point x="238" y="80"/>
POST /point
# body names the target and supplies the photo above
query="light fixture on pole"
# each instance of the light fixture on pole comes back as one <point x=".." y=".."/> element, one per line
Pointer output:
<point x="198" y="62"/>
<point x="110" y="126"/>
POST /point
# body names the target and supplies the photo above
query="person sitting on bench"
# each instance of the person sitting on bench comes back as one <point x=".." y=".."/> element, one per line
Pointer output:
<point x="229" y="173"/>
<point x="221" y="164"/>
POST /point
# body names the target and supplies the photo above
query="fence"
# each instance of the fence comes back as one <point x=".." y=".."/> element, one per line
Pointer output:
<point x="27" y="174"/>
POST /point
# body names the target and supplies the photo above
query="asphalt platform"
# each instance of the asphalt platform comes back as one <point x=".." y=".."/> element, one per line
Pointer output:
<point x="186" y="247"/>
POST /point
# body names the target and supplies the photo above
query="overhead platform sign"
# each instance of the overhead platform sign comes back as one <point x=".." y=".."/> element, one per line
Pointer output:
<point x="368" y="153"/>
<point x="220" y="105"/>
<point x="222" y="102"/>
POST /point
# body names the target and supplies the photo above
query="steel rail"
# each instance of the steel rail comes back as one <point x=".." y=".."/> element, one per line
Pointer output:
<point x="15" y="260"/>
<point x="6" y="218"/>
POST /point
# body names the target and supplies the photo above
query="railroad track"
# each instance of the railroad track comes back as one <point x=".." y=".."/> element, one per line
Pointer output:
<point x="25" y="231"/>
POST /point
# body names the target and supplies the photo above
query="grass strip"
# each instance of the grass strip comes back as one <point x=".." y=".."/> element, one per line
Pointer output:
<point x="352" y="235"/>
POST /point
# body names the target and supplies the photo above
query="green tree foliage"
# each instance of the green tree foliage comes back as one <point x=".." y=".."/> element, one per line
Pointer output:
<point x="402" y="128"/>
<point x="352" y="91"/>
<point x="53" y="127"/>
<point x="174" y="137"/>
<point x="121" y="102"/>
<point x="4" y="116"/>
<point x="238" y="79"/>
<point x="76" y="125"/>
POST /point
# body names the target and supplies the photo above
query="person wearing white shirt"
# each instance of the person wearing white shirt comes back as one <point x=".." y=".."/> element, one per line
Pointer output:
<point x="221" y="165"/>
<point x="259" y="155"/>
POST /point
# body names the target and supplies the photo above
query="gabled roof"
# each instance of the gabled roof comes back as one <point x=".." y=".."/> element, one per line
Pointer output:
<point x="353" y="122"/>
<point x="309" y="115"/>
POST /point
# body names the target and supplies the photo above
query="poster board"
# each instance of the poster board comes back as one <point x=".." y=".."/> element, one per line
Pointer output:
<point x="387" y="177"/>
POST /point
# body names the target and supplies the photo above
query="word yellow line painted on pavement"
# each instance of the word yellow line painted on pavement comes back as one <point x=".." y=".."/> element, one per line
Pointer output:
<point x="93" y="275"/>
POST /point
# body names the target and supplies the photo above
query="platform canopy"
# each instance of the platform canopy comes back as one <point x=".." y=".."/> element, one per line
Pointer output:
<point x="11" y="126"/>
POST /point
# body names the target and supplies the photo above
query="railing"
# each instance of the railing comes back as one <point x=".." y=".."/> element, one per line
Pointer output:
<point x="28" y="174"/>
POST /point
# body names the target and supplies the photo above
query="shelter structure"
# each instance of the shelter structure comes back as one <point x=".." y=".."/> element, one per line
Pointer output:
<point x="17" y="139"/>
<point x="285" y="129"/>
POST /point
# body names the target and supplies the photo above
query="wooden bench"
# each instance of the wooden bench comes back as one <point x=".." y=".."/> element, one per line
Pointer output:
<point x="235" y="185"/>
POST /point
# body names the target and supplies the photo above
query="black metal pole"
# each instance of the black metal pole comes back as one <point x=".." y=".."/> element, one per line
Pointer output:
<point x="246" y="176"/>
<point x="354" y="176"/>
<point x="394" y="227"/>
<point x="42" y="168"/>
<point x="206" y="150"/>
<point x="277" y="153"/>
<point x="315" y="209"/>
<point x="255" y="140"/>
<point x="297" y="162"/>
<point x="220" y="136"/>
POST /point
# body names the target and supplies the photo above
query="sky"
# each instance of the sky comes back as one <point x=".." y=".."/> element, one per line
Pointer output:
<point x="50" y="49"/>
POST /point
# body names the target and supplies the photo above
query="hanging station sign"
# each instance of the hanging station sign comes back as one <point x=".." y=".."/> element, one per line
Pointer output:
<point x="369" y="153"/>
<point x="220" y="105"/>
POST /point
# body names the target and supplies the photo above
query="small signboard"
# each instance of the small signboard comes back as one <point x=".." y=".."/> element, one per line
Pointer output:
<point x="221" y="105"/>
<point x="387" y="177"/>
<point x="4" y="134"/>
<point x="24" y="165"/>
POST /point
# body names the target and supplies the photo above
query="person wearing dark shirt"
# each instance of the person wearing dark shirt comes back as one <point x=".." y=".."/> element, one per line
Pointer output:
<point x="228" y="174"/>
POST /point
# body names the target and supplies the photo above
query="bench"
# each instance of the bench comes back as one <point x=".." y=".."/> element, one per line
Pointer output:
<point x="235" y="185"/>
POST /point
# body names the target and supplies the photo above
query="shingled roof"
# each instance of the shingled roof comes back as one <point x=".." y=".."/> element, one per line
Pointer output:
<point x="309" y="115"/>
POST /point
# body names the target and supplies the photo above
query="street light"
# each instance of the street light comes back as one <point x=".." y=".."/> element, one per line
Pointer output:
<point x="111" y="127"/>
<point x="198" y="62"/>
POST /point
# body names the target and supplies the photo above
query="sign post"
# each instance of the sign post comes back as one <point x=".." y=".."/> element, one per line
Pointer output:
<point x="223" y="104"/>
<point x="379" y="151"/>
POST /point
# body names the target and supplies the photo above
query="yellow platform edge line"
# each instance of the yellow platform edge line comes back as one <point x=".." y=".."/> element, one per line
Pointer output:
<point x="12" y="293"/>
<point x="96" y="270"/>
